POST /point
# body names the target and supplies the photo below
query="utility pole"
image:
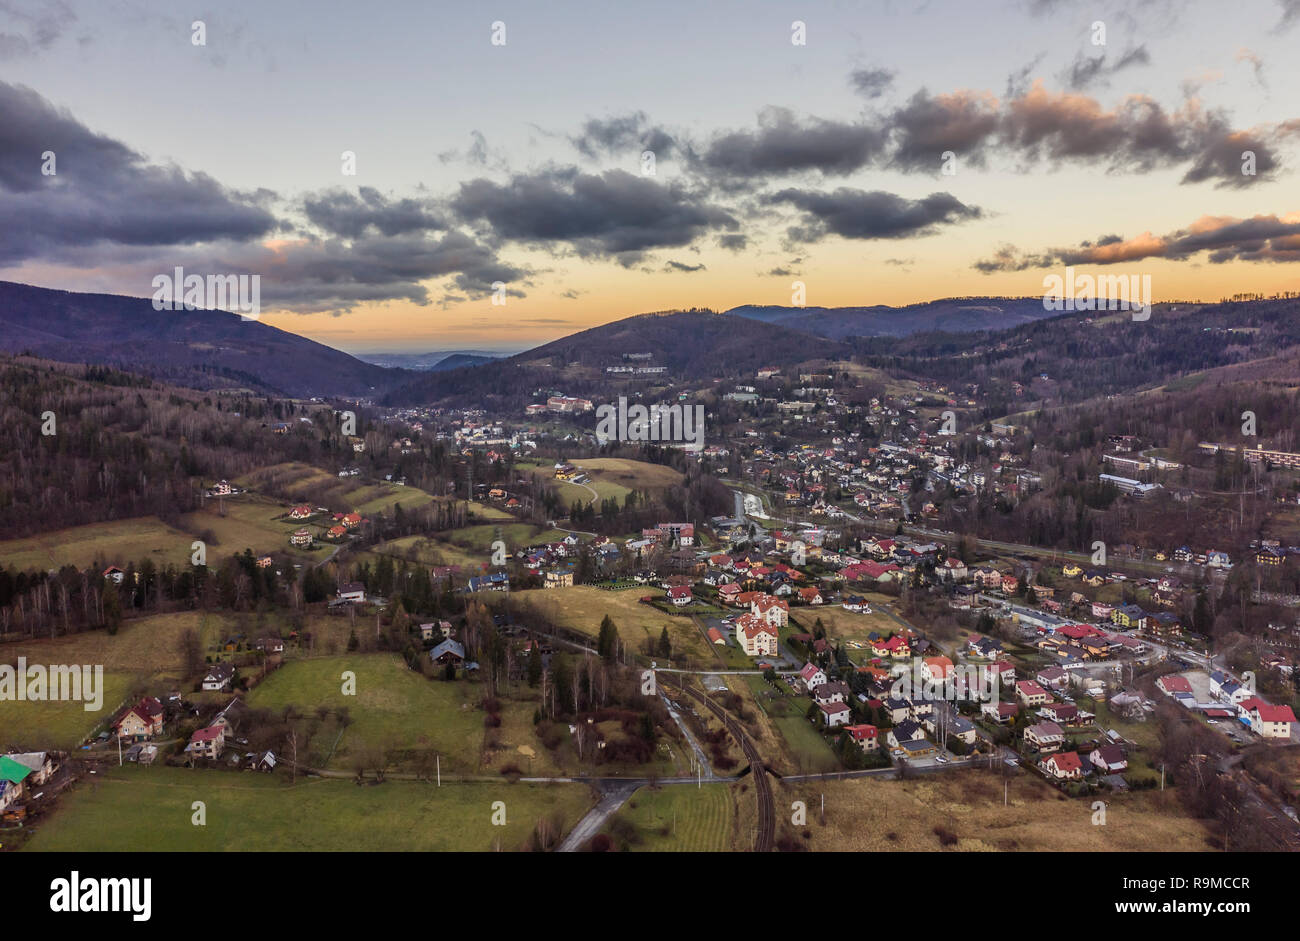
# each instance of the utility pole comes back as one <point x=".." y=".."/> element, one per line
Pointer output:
<point x="438" y="760"/>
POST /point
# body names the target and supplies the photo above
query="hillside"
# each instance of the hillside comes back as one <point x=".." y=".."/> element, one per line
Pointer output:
<point x="202" y="349"/>
<point x="951" y="315"/>
<point x="691" y="344"/>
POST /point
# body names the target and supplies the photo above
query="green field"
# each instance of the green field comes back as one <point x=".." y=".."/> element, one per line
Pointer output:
<point x="61" y="725"/>
<point x="681" y="818"/>
<point x="394" y="708"/>
<point x="134" y="808"/>
<point x="118" y="542"/>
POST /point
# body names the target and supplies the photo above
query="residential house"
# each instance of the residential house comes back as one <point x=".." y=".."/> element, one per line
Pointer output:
<point x="207" y="742"/>
<point x="832" y="691"/>
<point x="353" y="593"/>
<point x="1030" y="693"/>
<point x="812" y="676"/>
<point x="680" y="595"/>
<point x="1063" y="766"/>
<point x="905" y="731"/>
<point x="835" y="713"/>
<point x="218" y="677"/>
<point x="1045" y="736"/>
<point x="141" y="721"/>
<point x="866" y="737"/>
<point x="449" y="651"/>
<point x="1108" y="759"/>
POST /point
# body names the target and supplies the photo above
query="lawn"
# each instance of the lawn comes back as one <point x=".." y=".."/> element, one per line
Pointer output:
<point x="872" y="814"/>
<point x="133" y="809"/>
<point x="118" y="542"/>
<point x="394" y="708"/>
<point x="677" y="819"/>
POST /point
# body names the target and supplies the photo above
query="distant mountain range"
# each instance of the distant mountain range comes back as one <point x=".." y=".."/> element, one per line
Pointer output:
<point x="950" y="315"/>
<point x="214" y="349"/>
<point x="434" y="360"/>
<point x="203" y="349"/>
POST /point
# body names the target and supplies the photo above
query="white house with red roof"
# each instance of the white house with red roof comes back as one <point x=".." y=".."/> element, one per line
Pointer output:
<point x="1063" y="766"/>
<point x="1268" y="721"/>
<point x="812" y="676"/>
<point x="680" y="595"/>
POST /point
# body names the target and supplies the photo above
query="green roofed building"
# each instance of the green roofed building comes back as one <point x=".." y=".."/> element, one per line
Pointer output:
<point x="13" y="771"/>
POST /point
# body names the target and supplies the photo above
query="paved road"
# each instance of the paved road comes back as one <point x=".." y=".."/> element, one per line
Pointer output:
<point x="613" y="796"/>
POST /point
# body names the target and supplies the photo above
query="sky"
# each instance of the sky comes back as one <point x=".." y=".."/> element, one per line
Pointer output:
<point x="881" y="152"/>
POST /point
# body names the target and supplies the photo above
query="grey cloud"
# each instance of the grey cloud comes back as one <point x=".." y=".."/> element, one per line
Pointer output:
<point x="351" y="215"/>
<point x="611" y="214"/>
<point x="857" y="214"/>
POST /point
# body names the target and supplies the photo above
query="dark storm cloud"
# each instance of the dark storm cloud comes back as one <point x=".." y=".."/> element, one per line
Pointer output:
<point x="352" y="215"/>
<point x="108" y="207"/>
<point x="672" y="266"/>
<point x="857" y="214"/>
<point x="611" y="214"/>
<point x="103" y="192"/>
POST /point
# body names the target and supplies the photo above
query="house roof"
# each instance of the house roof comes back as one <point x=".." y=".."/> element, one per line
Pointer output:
<point x="1269" y="713"/>
<point x="1175" y="683"/>
<point x="833" y="708"/>
<point x="860" y="732"/>
<point x="13" y="771"/>
<point x="452" y="647"/>
<point x="1066" y="761"/>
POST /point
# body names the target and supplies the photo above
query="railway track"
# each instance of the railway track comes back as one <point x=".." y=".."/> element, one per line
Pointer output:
<point x="765" y="839"/>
